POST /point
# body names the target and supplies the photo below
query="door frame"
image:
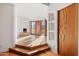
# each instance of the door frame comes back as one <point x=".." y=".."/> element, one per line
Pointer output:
<point x="58" y="32"/>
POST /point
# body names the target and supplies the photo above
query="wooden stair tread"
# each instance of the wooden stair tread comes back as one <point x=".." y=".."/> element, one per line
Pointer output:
<point x="40" y="50"/>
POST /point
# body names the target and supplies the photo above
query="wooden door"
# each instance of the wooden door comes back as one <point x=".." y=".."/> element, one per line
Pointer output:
<point x="38" y="27"/>
<point x="67" y="30"/>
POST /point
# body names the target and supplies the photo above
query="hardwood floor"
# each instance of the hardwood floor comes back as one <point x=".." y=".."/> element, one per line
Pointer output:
<point x="8" y="54"/>
<point x="46" y="53"/>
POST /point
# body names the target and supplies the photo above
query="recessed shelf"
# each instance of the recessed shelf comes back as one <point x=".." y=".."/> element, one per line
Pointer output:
<point x="51" y="22"/>
<point x="51" y="31"/>
<point x="51" y="35"/>
<point x="51" y="26"/>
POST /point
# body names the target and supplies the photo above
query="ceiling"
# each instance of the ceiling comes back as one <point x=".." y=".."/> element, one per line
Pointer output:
<point x="58" y="6"/>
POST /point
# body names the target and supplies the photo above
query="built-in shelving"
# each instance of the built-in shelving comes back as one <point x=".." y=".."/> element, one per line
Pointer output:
<point x="51" y="22"/>
<point x="52" y="30"/>
<point x="51" y="26"/>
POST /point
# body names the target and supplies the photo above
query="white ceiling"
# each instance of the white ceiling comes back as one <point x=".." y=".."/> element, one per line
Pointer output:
<point x="58" y="6"/>
<point x="31" y="10"/>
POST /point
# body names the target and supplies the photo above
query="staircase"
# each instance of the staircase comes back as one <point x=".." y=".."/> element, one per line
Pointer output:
<point x="29" y="51"/>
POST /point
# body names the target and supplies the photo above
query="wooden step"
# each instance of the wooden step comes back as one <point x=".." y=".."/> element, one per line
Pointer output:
<point x="26" y="52"/>
<point x="31" y="48"/>
<point x="21" y="46"/>
<point x="38" y="51"/>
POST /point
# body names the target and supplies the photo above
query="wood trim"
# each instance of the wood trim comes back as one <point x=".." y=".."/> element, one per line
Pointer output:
<point x="58" y="33"/>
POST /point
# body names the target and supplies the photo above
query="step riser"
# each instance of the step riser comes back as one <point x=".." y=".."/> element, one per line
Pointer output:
<point x="24" y="47"/>
<point x="30" y="48"/>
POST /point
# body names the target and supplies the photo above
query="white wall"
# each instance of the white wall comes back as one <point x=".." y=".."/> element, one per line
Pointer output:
<point x="29" y="12"/>
<point x="6" y="26"/>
